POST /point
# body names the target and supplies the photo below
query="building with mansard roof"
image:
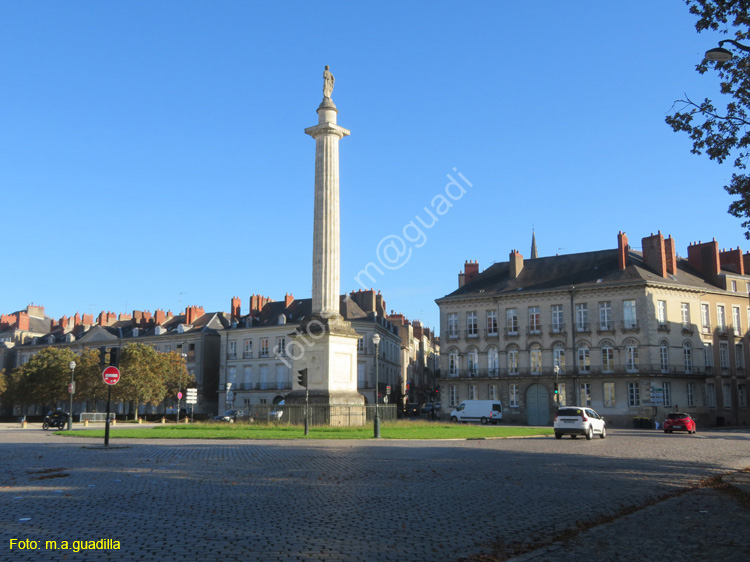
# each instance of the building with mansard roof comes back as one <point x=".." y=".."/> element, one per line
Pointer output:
<point x="634" y="334"/>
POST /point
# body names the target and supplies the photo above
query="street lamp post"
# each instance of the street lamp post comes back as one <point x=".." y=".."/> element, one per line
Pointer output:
<point x="720" y="54"/>
<point x="72" y="366"/>
<point x="183" y="356"/>
<point x="376" y="341"/>
<point x="557" y="386"/>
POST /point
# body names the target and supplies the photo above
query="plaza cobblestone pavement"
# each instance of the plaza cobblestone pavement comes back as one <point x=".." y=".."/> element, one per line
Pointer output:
<point x="377" y="500"/>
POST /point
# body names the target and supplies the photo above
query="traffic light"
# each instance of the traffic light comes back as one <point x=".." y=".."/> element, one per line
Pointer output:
<point x="102" y="357"/>
<point x="113" y="356"/>
<point x="557" y="390"/>
<point x="302" y="377"/>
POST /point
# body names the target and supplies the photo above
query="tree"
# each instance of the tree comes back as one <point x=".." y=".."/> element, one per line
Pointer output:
<point x="723" y="134"/>
<point x="45" y="378"/>
<point x="89" y="383"/>
<point x="175" y="374"/>
<point x="142" y="379"/>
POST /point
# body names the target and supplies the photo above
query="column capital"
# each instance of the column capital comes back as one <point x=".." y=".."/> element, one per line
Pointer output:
<point x="327" y="129"/>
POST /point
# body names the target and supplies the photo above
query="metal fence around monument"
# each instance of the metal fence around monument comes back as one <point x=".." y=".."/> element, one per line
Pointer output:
<point x="344" y="415"/>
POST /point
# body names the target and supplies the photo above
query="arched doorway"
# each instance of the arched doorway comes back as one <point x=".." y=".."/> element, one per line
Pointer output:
<point x="537" y="405"/>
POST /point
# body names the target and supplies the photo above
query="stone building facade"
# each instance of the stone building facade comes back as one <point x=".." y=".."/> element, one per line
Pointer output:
<point x="632" y="334"/>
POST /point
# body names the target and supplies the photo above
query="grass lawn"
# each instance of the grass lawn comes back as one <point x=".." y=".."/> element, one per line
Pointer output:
<point x="390" y="430"/>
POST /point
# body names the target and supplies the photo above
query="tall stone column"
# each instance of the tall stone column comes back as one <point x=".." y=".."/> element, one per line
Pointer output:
<point x="326" y="282"/>
<point x="325" y="344"/>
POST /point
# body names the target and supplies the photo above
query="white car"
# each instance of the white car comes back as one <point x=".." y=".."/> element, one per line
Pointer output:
<point x="578" y="420"/>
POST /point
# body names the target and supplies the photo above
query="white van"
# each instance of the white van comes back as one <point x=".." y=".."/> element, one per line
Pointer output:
<point x="485" y="411"/>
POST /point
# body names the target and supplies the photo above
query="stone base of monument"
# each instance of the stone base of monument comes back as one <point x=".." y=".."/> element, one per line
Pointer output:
<point x="327" y="348"/>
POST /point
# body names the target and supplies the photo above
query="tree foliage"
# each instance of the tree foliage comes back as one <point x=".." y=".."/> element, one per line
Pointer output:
<point x="45" y="378"/>
<point x="723" y="133"/>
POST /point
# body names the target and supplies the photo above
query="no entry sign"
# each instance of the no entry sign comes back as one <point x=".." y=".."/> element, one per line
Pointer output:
<point x="111" y="375"/>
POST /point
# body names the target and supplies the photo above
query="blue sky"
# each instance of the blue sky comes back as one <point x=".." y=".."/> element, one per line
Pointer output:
<point x="152" y="153"/>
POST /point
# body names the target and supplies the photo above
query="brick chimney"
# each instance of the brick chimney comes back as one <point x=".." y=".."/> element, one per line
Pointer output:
<point x="192" y="313"/>
<point x="257" y="302"/>
<point x="732" y="260"/>
<point x="288" y="300"/>
<point x="23" y="321"/>
<point x="159" y="317"/>
<point x="654" y="255"/>
<point x="704" y="256"/>
<point x="516" y="264"/>
<point x="88" y="320"/>
<point x="471" y="270"/>
<point x="365" y="300"/>
<point x="670" y="254"/>
<point x="622" y="250"/>
<point x="236" y="308"/>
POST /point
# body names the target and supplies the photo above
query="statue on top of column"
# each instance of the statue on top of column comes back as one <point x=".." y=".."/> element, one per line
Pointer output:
<point x="328" y="81"/>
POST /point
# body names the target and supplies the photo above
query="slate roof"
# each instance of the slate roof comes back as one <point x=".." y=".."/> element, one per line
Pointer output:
<point x="297" y="311"/>
<point x="587" y="269"/>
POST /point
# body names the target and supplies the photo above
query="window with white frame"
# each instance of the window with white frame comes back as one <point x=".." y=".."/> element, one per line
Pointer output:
<point x="492" y="322"/>
<point x="690" y="394"/>
<point x="710" y="395"/>
<point x="558" y="320"/>
<point x="232" y="350"/>
<point x="263" y="377"/>
<point x="661" y="313"/>
<point x="453" y="395"/>
<point x="609" y="394"/>
<point x="472" y="330"/>
<point x="742" y="396"/>
<point x="511" y="320"/>
<point x="584" y="358"/>
<point x="726" y="390"/>
<point x="721" y="318"/>
<point x="264" y="347"/>
<point x="563" y="397"/>
<point x="667" y="386"/>
<point x="282" y="377"/>
<point x="492" y="391"/>
<point x="231" y="376"/>
<point x="734" y="286"/>
<point x="724" y="355"/>
<point x="247" y="377"/>
<point x="664" y="356"/>
<point x="280" y="350"/>
<point x="605" y="316"/>
<point x="535" y="320"/>
<point x="608" y="357"/>
<point x="708" y="354"/>
<point x="739" y="355"/>
<point x="473" y="362"/>
<point x="513" y="395"/>
<point x="362" y="375"/>
<point x="685" y="314"/>
<point x="705" y="318"/>
<point x="584" y="394"/>
<point x="247" y="352"/>
<point x="452" y="325"/>
<point x="493" y="362"/>
<point x="535" y="359"/>
<point x="582" y="317"/>
<point x="634" y="394"/>
<point x="472" y="392"/>
<point x="631" y="356"/>
<point x="513" y="361"/>
<point x="736" y="322"/>
<point x="452" y="363"/>
<point x="558" y="358"/>
<point x="629" y="315"/>
<point x="360" y="345"/>
<point x="687" y="353"/>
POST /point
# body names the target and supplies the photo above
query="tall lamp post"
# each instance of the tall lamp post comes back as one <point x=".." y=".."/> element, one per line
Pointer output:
<point x="183" y="356"/>
<point x="557" y="386"/>
<point x="376" y="341"/>
<point x="72" y="389"/>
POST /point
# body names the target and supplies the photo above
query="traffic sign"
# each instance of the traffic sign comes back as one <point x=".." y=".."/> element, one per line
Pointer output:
<point x="111" y="375"/>
<point x="192" y="395"/>
<point x="72" y="388"/>
<point x="179" y="396"/>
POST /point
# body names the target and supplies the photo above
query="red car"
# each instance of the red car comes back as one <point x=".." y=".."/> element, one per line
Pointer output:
<point x="679" y="421"/>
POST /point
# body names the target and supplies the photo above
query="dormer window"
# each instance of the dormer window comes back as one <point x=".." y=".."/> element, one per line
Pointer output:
<point x="160" y="330"/>
<point x="70" y="338"/>
<point x="181" y="329"/>
<point x="282" y="319"/>
<point x="135" y="332"/>
<point x="50" y="339"/>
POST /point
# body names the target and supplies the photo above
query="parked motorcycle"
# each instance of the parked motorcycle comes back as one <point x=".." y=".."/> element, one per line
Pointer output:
<point x="56" y="420"/>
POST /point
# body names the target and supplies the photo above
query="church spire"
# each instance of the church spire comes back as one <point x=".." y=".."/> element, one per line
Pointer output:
<point x="534" y="253"/>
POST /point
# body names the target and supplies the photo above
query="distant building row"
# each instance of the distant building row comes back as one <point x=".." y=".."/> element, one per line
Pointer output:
<point x="238" y="359"/>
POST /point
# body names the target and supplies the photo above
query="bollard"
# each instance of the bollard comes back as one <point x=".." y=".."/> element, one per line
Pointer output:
<point x="113" y="421"/>
<point x="85" y="423"/>
<point x="24" y="424"/>
<point x="140" y="420"/>
<point x="163" y="419"/>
